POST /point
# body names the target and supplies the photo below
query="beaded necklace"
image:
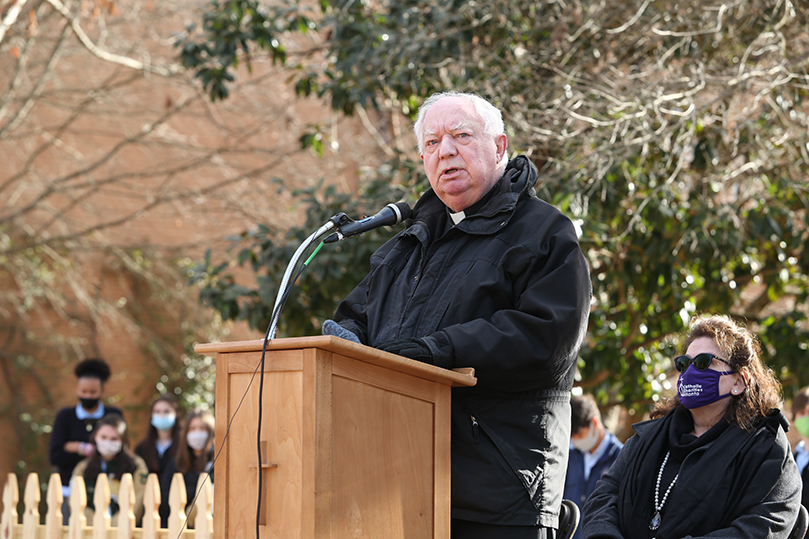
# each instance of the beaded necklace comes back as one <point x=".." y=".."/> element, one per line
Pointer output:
<point x="655" y="523"/>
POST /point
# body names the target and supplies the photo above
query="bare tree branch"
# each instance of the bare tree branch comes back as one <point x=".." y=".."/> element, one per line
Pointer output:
<point x="11" y="17"/>
<point x="22" y="112"/>
<point x="108" y="56"/>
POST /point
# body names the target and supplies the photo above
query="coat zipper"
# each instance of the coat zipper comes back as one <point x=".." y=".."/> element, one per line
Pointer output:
<point x="474" y="428"/>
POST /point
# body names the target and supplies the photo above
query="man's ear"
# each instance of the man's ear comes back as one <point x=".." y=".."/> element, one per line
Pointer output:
<point x="501" y="143"/>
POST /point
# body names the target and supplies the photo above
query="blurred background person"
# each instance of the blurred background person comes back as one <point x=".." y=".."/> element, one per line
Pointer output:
<point x="159" y="447"/>
<point x="715" y="462"/>
<point x="113" y="457"/>
<point x="70" y="437"/>
<point x="800" y="418"/>
<point x="593" y="449"/>
<point x="195" y="455"/>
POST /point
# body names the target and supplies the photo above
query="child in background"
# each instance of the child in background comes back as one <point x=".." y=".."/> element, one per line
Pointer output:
<point x="195" y="454"/>
<point x="70" y="437"/>
<point x="159" y="447"/>
<point x="113" y="457"/>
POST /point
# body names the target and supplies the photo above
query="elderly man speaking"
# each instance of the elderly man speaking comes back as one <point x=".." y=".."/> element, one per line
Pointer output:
<point x="488" y="276"/>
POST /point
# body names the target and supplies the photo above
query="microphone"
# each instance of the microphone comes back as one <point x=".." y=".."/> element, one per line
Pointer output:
<point x="390" y="215"/>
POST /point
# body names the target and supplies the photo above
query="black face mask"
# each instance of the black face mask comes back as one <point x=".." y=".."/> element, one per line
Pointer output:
<point x="89" y="404"/>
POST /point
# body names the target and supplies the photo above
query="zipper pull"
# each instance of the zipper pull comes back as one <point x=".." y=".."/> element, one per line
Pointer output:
<point x="474" y="428"/>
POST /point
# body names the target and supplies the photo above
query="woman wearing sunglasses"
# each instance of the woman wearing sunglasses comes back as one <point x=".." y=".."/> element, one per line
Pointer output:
<point x="716" y="462"/>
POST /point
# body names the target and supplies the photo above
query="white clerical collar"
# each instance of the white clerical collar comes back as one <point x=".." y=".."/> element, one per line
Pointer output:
<point x="457" y="217"/>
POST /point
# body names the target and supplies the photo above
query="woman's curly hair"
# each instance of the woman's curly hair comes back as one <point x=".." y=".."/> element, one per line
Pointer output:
<point x="743" y="351"/>
<point x="93" y="368"/>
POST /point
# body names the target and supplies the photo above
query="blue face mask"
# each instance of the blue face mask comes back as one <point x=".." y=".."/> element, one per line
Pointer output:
<point x="699" y="388"/>
<point x="163" y="422"/>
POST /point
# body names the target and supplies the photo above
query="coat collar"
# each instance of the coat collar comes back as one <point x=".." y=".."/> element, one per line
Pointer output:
<point x="518" y="180"/>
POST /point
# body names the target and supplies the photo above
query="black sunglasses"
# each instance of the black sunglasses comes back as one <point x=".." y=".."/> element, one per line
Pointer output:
<point x="701" y="361"/>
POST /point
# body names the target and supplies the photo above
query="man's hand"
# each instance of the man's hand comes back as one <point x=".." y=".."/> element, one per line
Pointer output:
<point x="413" y="348"/>
<point x="330" y="327"/>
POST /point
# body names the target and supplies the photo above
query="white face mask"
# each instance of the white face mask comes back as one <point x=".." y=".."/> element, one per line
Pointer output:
<point x="197" y="439"/>
<point x="109" y="448"/>
<point x="586" y="444"/>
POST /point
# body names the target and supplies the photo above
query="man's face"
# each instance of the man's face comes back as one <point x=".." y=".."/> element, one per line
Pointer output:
<point x="460" y="160"/>
<point x="587" y="439"/>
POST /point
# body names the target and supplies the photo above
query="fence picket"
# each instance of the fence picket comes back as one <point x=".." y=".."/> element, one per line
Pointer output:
<point x="31" y="497"/>
<point x="203" y="523"/>
<point x="151" y="507"/>
<point x="126" y="503"/>
<point x="11" y="497"/>
<point x="177" y="501"/>
<point x="53" y="518"/>
<point x="78" y="501"/>
<point x="101" y="505"/>
<point x="102" y="527"/>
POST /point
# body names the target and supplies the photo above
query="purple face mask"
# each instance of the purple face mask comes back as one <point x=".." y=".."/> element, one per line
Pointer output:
<point x="699" y="388"/>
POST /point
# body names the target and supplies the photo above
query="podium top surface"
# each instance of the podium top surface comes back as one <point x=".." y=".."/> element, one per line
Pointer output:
<point x="456" y="378"/>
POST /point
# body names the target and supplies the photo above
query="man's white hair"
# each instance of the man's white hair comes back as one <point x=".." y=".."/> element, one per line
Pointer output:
<point x="492" y="117"/>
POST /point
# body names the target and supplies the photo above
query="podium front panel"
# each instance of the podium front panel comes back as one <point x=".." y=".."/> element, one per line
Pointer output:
<point x="281" y="455"/>
<point x="350" y="448"/>
<point x="382" y="474"/>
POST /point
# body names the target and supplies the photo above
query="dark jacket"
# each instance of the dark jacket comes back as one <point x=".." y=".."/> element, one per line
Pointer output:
<point x="742" y="484"/>
<point x="191" y="478"/>
<point x="505" y="291"/>
<point x="162" y="471"/>
<point x="577" y="488"/>
<point x="67" y="427"/>
<point x="805" y="482"/>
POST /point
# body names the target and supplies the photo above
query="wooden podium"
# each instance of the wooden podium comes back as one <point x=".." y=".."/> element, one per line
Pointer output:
<point x="355" y="441"/>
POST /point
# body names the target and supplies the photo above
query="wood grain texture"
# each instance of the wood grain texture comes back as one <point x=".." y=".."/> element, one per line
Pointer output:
<point x="383" y="463"/>
<point x="281" y="429"/>
<point x="358" y="440"/>
<point x="366" y="354"/>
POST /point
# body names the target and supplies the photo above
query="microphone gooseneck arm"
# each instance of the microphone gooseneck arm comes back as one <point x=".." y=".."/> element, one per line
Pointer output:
<point x="335" y="221"/>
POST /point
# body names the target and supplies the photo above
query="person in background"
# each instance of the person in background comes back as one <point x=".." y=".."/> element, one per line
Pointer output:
<point x="716" y="462"/>
<point x="593" y="449"/>
<point x="195" y="455"/>
<point x="113" y="457"/>
<point x="800" y="418"/>
<point x="159" y="447"/>
<point x="70" y="437"/>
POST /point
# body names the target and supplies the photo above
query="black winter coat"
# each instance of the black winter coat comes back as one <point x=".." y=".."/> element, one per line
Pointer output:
<point x="742" y="484"/>
<point x="506" y="291"/>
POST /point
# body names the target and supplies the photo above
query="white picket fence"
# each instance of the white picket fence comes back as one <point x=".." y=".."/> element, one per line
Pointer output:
<point x="100" y="528"/>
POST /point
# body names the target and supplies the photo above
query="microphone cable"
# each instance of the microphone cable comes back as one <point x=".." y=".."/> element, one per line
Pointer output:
<point x="276" y="312"/>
